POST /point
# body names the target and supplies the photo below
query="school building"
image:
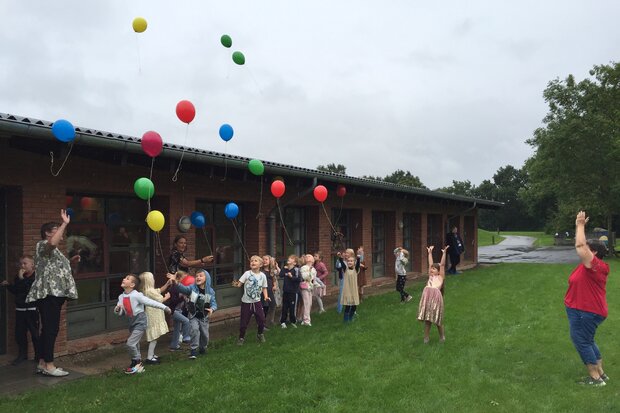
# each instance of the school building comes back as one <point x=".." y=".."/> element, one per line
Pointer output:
<point x="108" y="226"/>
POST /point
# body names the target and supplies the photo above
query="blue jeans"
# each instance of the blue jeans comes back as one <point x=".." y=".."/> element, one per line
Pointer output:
<point x="181" y="325"/>
<point x="583" y="326"/>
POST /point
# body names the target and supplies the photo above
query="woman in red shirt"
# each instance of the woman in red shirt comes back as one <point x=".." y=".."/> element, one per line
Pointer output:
<point x="586" y="305"/>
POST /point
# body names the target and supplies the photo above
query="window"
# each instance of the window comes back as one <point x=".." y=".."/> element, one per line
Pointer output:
<point x="435" y="235"/>
<point x="408" y="238"/>
<point x="111" y="238"/>
<point x="378" y="244"/>
<point x="295" y="221"/>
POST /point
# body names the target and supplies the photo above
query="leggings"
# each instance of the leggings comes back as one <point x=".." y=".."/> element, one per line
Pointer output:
<point x="400" y="287"/>
<point x="349" y="311"/>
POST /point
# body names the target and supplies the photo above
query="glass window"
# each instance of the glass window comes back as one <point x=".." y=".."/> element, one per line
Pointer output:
<point x="408" y="238"/>
<point x="87" y="241"/>
<point x="378" y="244"/>
<point x="295" y="222"/>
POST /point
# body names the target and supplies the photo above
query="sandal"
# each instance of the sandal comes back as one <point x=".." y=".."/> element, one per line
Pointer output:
<point x="57" y="372"/>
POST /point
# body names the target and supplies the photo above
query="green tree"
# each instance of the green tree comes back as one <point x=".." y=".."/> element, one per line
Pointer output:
<point x="465" y="188"/>
<point x="333" y="168"/>
<point x="404" y="178"/>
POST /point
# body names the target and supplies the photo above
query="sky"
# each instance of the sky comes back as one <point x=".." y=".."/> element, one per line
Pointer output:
<point x="448" y="90"/>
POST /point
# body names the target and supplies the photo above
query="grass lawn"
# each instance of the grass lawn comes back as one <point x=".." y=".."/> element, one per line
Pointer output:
<point x="486" y="238"/>
<point x="507" y="350"/>
<point x="542" y="239"/>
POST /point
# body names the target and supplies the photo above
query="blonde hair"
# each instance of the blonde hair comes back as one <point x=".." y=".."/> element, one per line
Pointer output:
<point x="147" y="282"/>
<point x="405" y="253"/>
<point x="256" y="257"/>
<point x="350" y="252"/>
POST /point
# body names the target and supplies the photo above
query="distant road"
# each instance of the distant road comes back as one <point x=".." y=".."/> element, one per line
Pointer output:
<point x="518" y="248"/>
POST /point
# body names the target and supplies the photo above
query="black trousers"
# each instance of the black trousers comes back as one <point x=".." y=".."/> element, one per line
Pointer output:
<point x="288" y="308"/>
<point x="454" y="261"/>
<point x="49" y="308"/>
<point x="27" y="322"/>
<point x="349" y="312"/>
<point x="400" y="287"/>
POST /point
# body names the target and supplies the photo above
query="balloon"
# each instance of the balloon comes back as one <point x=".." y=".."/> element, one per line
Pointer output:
<point x="63" y="130"/>
<point x="256" y="167"/>
<point x="188" y="280"/>
<point x="186" y="111"/>
<point x="86" y="202"/>
<point x="144" y="188"/>
<point x="155" y="220"/>
<point x="277" y="188"/>
<point x="139" y="24"/>
<point x="341" y="191"/>
<point x="70" y="212"/>
<point x="69" y="200"/>
<point x="198" y="219"/>
<point x="320" y="193"/>
<point x="152" y="143"/>
<point x="238" y="58"/>
<point x="231" y="210"/>
<point x="226" y="132"/>
<point x="226" y="40"/>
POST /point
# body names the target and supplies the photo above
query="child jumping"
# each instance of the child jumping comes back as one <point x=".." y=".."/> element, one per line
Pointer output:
<point x="431" y="304"/>
<point x="131" y="303"/>
<point x="402" y="258"/>
<point x="255" y="285"/>
<point x="156" y="325"/>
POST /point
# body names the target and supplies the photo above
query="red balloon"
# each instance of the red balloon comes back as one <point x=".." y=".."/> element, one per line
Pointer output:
<point x="186" y="111"/>
<point x="151" y="143"/>
<point x="341" y="191"/>
<point x="69" y="200"/>
<point x="320" y="193"/>
<point x="188" y="280"/>
<point x="277" y="189"/>
<point x="86" y="202"/>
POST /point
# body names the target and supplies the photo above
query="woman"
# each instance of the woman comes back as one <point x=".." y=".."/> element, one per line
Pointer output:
<point x="585" y="301"/>
<point x="178" y="261"/>
<point x="53" y="285"/>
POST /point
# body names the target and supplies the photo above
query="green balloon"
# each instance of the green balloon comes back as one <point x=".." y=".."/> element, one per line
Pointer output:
<point x="256" y="167"/>
<point x="238" y="58"/>
<point x="144" y="188"/>
<point x="226" y="40"/>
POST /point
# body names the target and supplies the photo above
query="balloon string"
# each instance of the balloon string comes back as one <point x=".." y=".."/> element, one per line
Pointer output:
<point x="151" y="172"/>
<point x="327" y="216"/>
<point x="255" y="82"/>
<point x="63" y="162"/>
<point x="176" y="173"/>
<point x="240" y="240"/>
<point x="260" y="202"/>
<point x="225" y="161"/>
<point x="340" y="211"/>
<point x="204" y="231"/>
<point x="282" y="221"/>
<point x="138" y="47"/>
<point x="161" y="251"/>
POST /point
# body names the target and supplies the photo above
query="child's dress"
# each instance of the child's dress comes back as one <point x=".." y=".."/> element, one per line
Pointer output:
<point x="431" y="304"/>
<point x="350" y="293"/>
<point x="156" y="318"/>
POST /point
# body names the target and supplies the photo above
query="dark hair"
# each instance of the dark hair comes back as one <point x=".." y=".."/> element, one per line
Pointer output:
<point x="48" y="227"/>
<point x="320" y="254"/>
<point x="597" y="247"/>
<point x="136" y="280"/>
<point x="436" y="266"/>
<point x="178" y="238"/>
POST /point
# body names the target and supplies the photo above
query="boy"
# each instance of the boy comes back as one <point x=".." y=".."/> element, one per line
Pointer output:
<point x="26" y="314"/>
<point x="402" y="258"/>
<point x="290" y="275"/>
<point x="131" y="303"/>
<point x="200" y="304"/>
<point x="254" y="284"/>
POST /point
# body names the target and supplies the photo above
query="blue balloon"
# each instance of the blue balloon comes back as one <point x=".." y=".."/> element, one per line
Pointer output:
<point x="63" y="130"/>
<point x="226" y="132"/>
<point x="198" y="219"/>
<point x="231" y="210"/>
<point x="70" y="212"/>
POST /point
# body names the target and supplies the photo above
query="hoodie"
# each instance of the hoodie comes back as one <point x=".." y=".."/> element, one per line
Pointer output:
<point x="198" y="299"/>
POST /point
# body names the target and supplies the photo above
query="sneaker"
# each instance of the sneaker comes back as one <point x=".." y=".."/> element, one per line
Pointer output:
<point x="240" y="342"/>
<point x="202" y="350"/>
<point x="294" y="325"/>
<point x="426" y="340"/>
<point x="321" y="311"/>
<point x="589" y="381"/>
<point x="135" y="367"/>
<point x="283" y="325"/>
<point x="193" y="354"/>
<point x="605" y="377"/>
<point x="20" y="359"/>
<point x="178" y="348"/>
<point x="261" y="338"/>
<point x="152" y="361"/>
<point x="409" y="298"/>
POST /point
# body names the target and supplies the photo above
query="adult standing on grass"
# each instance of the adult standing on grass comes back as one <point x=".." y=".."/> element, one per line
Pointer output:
<point x="53" y="285"/>
<point x="586" y="304"/>
<point x="457" y="247"/>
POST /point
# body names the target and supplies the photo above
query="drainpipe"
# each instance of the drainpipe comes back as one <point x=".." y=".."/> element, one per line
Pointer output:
<point x="271" y="216"/>
<point x="459" y="214"/>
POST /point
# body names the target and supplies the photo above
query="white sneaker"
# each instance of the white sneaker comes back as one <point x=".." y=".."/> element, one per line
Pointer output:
<point x="293" y="325"/>
<point x="283" y="325"/>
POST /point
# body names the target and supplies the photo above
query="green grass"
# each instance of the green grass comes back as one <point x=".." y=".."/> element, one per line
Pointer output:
<point x="542" y="239"/>
<point x="486" y="238"/>
<point x="507" y="350"/>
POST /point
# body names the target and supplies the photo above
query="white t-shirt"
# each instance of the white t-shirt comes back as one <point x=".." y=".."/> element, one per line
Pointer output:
<point x="253" y="285"/>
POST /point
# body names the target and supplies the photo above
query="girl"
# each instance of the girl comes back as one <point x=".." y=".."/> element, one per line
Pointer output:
<point x="402" y="258"/>
<point x="341" y="266"/>
<point x="255" y="286"/>
<point x="321" y="278"/>
<point x="267" y="270"/>
<point x="274" y="269"/>
<point x="156" y="325"/>
<point x="350" y="294"/>
<point x="431" y="304"/>
<point x="308" y="274"/>
<point x="290" y="287"/>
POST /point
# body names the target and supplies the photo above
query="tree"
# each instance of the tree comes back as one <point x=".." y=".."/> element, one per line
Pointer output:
<point x="333" y="168"/>
<point x="576" y="163"/>
<point x="404" y="178"/>
<point x="459" y="188"/>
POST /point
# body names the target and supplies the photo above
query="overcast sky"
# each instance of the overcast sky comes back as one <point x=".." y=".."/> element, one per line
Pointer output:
<point x="448" y="90"/>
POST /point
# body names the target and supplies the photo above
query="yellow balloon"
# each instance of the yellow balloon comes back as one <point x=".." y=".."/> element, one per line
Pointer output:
<point x="603" y="238"/>
<point x="139" y="24"/>
<point x="155" y="220"/>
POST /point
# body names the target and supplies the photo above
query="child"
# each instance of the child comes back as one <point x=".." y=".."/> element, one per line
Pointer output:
<point x="402" y="258"/>
<point x="361" y="276"/>
<point x="290" y="275"/>
<point x="200" y="305"/>
<point x="350" y="294"/>
<point x="321" y="277"/>
<point x="176" y="302"/>
<point x="274" y="270"/>
<point x="341" y="266"/>
<point x="131" y="303"/>
<point x="299" y="303"/>
<point x="266" y="269"/>
<point x="254" y="285"/>
<point x="156" y="325"/>
<point x="26" y="314"/>
<point x="431" y="304"/>
<point x="308" y="275"/>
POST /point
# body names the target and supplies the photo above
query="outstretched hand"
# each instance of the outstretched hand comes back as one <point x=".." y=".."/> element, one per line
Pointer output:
<point x="172" y="278"/>
<point x="430" y="249"/>
<point x="581" y="218"/>
<point x="64" y="216"/>
<point x="443" y="250"/>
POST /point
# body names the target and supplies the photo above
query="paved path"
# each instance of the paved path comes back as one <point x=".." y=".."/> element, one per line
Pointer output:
<point x="517" y="248"/>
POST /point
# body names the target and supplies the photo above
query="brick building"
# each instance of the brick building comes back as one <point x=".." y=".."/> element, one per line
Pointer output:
<point x="108" y="228"/>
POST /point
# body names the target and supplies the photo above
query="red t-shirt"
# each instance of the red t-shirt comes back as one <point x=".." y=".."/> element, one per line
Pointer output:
<point x="586" y="288"/>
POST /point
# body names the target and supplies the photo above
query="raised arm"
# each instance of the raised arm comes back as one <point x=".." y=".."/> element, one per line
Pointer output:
<point x="442" y="263"/>
<point x="60" y="232"/>
<point x="581" y="245"/>
<point x="430" y="257"/>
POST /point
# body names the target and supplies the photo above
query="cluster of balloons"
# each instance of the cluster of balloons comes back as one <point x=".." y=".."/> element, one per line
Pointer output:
<point x="237" y="56"/>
